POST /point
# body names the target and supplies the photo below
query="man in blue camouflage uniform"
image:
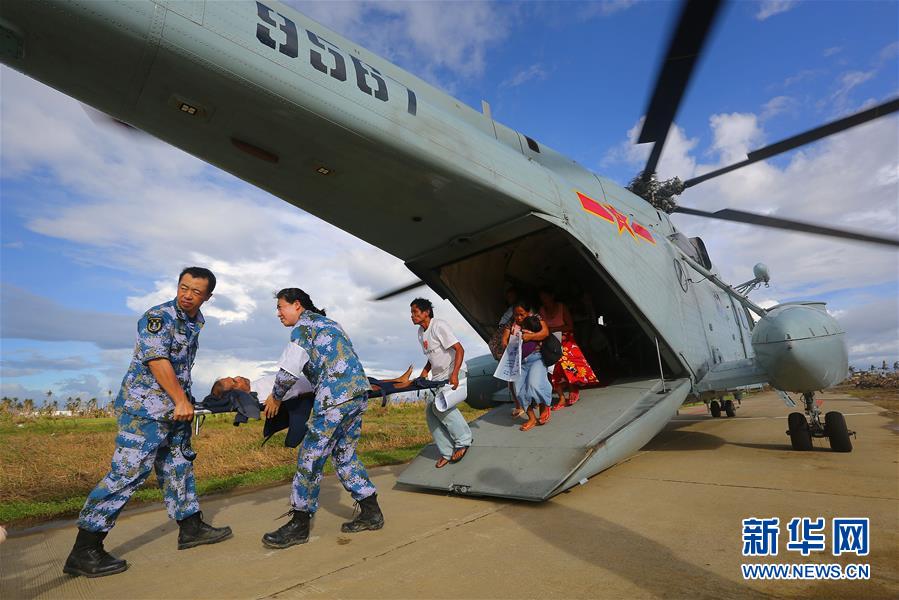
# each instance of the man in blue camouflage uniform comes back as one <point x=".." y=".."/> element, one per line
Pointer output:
<point x="321" y="350"/>
<point x="155" y="409"/>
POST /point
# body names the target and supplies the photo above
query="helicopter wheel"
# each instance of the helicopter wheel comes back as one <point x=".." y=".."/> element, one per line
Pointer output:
<point x="836" y="431"/>
<point x="800" y="435"/>
<point x="715" y="408"/>
<point x="729" y="408"/>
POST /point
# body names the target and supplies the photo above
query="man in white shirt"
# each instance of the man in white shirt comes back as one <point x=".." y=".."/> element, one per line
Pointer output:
<point x="445" y="356"/>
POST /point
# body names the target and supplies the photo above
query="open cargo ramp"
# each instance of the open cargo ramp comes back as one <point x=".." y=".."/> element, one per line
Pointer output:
<point x="606" y="426"/>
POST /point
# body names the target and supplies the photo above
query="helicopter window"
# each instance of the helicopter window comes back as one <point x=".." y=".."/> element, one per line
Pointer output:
<point x="532" y="144"/>
<point x="684" y="244"/>
<point x="703" y="259"/>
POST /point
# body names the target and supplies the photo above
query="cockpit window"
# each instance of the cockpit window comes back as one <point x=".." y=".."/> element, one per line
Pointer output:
<point x="692" y="247"/>
<point x="704" y="259"/>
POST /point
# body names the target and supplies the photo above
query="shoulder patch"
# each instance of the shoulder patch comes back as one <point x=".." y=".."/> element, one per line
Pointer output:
<point x="154" y="324"/>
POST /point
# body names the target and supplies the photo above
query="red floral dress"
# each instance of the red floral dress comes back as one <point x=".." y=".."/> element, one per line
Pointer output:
<point x="573" y="367"/>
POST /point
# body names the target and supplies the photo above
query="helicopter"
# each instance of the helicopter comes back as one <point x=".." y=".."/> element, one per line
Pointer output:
<point x="265" y="93"/>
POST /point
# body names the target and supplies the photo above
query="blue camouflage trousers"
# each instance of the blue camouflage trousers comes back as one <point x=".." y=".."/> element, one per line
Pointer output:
<point x="333" y="432"/>
<point x="141" y="445"/>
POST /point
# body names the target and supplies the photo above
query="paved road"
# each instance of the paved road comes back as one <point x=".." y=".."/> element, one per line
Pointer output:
<point x="665" y="524"/>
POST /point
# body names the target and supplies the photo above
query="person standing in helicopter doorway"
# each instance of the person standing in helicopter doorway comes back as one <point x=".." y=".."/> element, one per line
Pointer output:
<point x="154" y="408"/>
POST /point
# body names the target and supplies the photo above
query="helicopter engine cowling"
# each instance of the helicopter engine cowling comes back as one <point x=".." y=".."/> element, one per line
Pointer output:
<point x="801" y="347"/>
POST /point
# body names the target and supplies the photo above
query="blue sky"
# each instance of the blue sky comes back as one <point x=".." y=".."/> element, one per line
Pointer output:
<point x="83" y="254"/>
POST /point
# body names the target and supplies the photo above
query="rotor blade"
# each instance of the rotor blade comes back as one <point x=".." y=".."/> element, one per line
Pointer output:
<point x="803" y="138"/>
<point x="740" y="216"/>
<point x="399" y="291"/>
<point x="687" y="40"/>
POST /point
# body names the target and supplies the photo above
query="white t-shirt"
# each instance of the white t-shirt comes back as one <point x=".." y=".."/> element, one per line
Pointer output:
<point x="292" y="360"/>
<point x="436" y="342"/>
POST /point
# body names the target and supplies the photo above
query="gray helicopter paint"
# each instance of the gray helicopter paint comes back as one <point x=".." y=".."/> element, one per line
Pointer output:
<point x="410" y="169"/>
<point x="606" y="426"/>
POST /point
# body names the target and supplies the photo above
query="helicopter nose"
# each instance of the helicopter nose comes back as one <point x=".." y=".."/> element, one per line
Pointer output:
<point x="801" y="347"/>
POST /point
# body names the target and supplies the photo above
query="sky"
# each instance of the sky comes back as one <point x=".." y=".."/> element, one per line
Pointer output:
<point x="95" y="223"/>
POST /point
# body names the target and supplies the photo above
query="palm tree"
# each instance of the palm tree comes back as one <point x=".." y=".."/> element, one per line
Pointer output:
<point x="72" y="406"/>
<point x="28" y="406"/>
<point x="92" y="408"/>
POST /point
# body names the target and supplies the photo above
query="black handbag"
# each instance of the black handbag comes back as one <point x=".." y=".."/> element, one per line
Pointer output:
<point x="551" y="350"/>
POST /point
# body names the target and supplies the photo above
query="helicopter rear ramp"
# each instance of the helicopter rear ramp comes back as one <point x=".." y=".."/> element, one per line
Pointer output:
<point x="606" y="426"/>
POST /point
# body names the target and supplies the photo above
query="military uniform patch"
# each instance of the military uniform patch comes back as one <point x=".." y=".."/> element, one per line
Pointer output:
<point x="154" y="324"/>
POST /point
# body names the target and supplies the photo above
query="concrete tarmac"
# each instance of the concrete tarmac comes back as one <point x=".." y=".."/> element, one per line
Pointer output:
<point x="664" y="524"/>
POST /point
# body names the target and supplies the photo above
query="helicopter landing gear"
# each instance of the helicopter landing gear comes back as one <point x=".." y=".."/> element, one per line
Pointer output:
<point x="836" y="431"/>
<point x="729" y="409"/>
<point x="802" y="428"/>
<point x="716" y="406"/>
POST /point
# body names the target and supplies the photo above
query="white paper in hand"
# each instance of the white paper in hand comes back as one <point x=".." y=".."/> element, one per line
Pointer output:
<point x="509" y="367"/>
<point x="447" y="398"/>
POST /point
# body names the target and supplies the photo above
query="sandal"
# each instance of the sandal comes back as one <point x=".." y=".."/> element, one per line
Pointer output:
<point x="517" y="412"/>
<point x="543" y="419"/>
<point x="463" y="450"/>
<point x="573" y="397"/>
<point x="441" y="462"/>
<point x="528" y="426"/>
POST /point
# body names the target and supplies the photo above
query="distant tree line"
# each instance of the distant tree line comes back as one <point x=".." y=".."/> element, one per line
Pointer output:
<point x="75" y="407"/>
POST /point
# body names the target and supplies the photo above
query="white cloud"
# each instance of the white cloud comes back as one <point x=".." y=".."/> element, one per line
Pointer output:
<point x="604" y="8"/>
<point x="769" y="8"/>
<point x="776" y="106"/>
<point x="848" y="82"/>
<point x="167" y="210"/>
<point x="534" y="72"/>
<point x="444" y="43"/>
<point x="675" y="161"/>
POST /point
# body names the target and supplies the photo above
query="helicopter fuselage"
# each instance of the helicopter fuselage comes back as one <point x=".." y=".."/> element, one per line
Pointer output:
<point x="263" y="92"/>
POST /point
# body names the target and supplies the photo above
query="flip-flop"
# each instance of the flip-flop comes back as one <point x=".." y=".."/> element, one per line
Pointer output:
<point x="441" y="462"/>
<point x="464" y="452"/>
<point x="528" y="426"/>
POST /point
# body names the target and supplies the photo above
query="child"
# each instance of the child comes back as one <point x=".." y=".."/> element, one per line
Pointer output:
<point x="532" y="386"/>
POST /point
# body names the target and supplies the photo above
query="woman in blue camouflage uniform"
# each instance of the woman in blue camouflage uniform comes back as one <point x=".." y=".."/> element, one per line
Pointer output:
<point x="321" y="350"/>
<point x="155" y="410"/>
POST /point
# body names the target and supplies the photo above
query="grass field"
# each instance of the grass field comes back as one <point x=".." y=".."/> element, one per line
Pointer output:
<point x="887" y="398"/>
<point x="49" y="464"/>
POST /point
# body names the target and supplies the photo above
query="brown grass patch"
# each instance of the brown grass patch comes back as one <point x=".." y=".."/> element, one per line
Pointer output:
<point x="49" y="459"/>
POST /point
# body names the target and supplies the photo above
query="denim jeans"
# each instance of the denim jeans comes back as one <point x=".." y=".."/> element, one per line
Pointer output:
<point x="449" y="429"/>
<point x="533" y="386"/>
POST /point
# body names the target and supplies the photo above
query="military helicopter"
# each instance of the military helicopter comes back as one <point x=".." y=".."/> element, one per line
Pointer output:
<point x="259" y="90"/>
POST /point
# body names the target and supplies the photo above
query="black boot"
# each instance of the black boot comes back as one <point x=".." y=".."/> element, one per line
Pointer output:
<point x="88" y="557"/>
<point x="295" y="531"/>
<point x="194" y="532"/>
<point x="370" y="516"/>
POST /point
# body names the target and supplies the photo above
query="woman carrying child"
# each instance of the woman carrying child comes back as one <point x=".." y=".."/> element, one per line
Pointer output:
<point x="532" y="386"/>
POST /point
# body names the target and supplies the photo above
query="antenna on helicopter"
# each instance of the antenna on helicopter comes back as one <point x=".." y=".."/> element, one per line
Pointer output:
<point x="760" y="270"/>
